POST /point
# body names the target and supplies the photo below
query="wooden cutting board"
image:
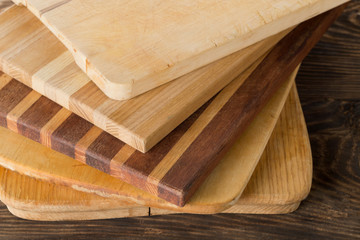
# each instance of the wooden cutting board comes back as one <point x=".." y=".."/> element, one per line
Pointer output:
<point x="175" y="168"/>
<point x="280" y="181"/>
<point x="130" y="47"/>
<point x="234" y="170"/>
<point x="30" y="53"/>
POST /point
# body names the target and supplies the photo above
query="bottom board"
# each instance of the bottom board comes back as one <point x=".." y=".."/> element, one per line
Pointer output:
<point x="281" y="180"/>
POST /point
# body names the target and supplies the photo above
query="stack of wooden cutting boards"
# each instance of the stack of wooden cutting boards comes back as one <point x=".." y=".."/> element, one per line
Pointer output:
<point x="116" y="108"/>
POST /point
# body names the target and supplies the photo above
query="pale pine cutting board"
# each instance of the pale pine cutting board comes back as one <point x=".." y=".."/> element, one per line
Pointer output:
<point x="130" y="47"/>
<point x="168" y="170"/>
<point x="280" y="181"/>
<point x="226" y="182"/>
<point x="30" y="53"/>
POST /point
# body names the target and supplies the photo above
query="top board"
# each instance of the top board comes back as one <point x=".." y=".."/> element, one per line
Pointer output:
<point x="130" y="47"/>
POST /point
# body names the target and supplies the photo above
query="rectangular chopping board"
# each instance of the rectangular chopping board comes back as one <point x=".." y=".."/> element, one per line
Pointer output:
<point x="286" y="152"/>
<point x="175" y="168"/>
<point x="30" y="53"/>
<point x="280" y="181"/>
<point x="130" y="47"/>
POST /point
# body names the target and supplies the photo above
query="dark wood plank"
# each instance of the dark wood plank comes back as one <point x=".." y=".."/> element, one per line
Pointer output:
<point x="9" y="98"/>
<point x="66" y="136"/>
<point x="31" y="122"/>
<point x="106" y="147"/>
<point x="332" y="209"/>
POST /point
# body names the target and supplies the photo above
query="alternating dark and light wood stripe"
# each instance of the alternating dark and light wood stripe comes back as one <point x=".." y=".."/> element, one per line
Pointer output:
<point x="11" y="95"/>
<point x="281" y="180"/>
<point x="65" y="138"/>
<point x="176" y="166"/>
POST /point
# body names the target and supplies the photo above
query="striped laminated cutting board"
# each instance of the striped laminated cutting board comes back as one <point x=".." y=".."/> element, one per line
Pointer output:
<point x="129" y="47"/>
<point x="33" y="55"/>
<point x="175" y="167"/>
<point x="281" y="180"/>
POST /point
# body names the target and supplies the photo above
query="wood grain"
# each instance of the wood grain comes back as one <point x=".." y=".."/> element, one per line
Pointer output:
<point x="40" y="200"/>
<point x="228" y="179"/>
<point x="332" y="209"/>
<point x="332" y="69"/>
<point x="280" y="181"/>
<point x="169" y="170"/>
<point x="128" y="48"/>
<point x="4" y="4"/>
<point x="45" y="65"/>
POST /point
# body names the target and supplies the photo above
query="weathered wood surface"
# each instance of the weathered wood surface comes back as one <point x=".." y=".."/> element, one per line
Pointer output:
<point x="46" y="66"/>
<point x="333" y="207"/>
<point x="168" y="170"/>
<point x="129" y="47"/>
<point x="281" y="180"/>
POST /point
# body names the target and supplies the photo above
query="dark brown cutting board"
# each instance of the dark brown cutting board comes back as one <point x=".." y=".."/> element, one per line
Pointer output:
<point x="175" y="167"/>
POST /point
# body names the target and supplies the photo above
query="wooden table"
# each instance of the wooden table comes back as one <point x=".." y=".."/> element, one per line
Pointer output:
<point x="329" y="86"/>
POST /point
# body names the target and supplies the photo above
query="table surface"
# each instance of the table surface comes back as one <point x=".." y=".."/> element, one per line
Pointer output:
<point x="329" y="88"/>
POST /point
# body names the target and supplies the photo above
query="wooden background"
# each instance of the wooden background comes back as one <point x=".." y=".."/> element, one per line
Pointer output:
<point x="329" y="87"/>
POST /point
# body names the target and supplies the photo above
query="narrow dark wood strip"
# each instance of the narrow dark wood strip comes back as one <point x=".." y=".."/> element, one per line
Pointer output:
<point x="65" y="137"/>
<point x="204" y="153"/>
<point x="34" y="119"/>
<point x="10" y="96"/>
<point x="102" y="150"/>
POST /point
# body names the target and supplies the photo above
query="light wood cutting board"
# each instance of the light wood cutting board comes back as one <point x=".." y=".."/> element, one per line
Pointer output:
<point x="30" y="53"/>
<point x="280" y="181"/>
<point x="234" y="170"/>
<point x="130" y="47"/>
<point x="169" y="170"/>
